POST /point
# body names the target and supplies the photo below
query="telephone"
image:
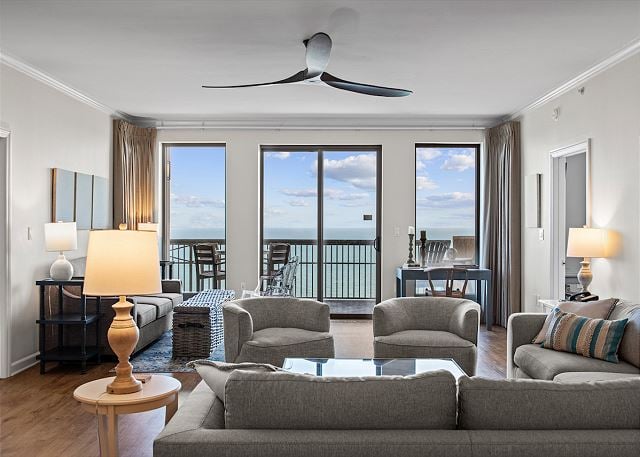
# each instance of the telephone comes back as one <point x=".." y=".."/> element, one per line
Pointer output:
<point x="583" y="296"/>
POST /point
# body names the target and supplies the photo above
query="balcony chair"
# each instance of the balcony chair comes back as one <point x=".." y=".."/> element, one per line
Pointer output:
<point x="277" y="257"/>
<point x="436" y="249"/>
<point x="284" y="282"/>
<point x="210" y="264"/>
<point x="270" y="329"/>
<point x="465" y="247"/>
<point x="427" y="327"/>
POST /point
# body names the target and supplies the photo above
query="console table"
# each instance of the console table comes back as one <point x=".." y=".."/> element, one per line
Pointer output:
<point x="62" y="353"/>
<point x="404" y="274"/>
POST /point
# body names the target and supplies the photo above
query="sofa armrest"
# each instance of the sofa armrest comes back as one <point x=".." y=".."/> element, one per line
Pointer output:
<point x="465" y="321"/>
<point x="522" y="328"/>
<point x="238" y="329"/>
<point x="390" y="317"/>
<point x="172" y="286"/>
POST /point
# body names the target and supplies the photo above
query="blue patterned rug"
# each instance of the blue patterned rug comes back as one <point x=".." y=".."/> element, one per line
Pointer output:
<point x="156" y="358"/>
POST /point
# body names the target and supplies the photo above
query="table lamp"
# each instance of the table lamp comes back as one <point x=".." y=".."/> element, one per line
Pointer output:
<point x="587" y="243"/>
<point x="120" y="263"/>
<point x="60" y="237"/>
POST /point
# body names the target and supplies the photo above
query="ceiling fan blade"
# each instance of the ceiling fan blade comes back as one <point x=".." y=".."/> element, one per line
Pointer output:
<point x="300" y="76"/>
<point x="318" y="52"/>
<point x="360" y="88"/>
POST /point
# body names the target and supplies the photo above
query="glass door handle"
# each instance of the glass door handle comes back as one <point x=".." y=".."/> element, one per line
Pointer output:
<point x="376" y="243"/>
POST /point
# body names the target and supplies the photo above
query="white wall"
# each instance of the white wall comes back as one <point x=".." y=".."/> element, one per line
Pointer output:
<point x="243" y="186"/>
<point x="48" y="130"/>
<point x="609" y="114"/>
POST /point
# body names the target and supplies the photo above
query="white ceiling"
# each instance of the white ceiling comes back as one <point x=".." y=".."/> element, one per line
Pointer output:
<point x="463" y="59"/>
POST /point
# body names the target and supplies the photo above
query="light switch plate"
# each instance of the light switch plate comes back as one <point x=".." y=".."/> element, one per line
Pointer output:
<point x="541" y="234"/>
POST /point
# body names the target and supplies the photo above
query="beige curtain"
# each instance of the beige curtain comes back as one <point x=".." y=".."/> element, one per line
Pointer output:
<point x="133" y="174"/>
<point x="501" y="227"/>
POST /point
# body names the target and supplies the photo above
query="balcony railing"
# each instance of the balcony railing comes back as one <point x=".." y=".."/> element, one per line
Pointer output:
<point x="349" y="267"/>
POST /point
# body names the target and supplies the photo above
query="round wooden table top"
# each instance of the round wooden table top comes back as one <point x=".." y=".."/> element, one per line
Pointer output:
<point x="156" y="388"/>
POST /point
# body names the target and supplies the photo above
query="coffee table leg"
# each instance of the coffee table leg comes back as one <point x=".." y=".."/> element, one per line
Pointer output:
<point x="171" y="409"/>
<point x="108" y="433"/>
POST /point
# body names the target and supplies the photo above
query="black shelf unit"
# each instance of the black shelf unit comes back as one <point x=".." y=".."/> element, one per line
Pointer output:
<point x="62" y="353"/>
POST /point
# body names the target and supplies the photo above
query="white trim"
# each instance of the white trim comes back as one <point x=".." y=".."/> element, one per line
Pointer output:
<point x="24" y="363"/>
<point x="555" y="156"/>
<point x="619" y="56"/>
<point x="5" y="304"/>
<point x="50" y="81"/>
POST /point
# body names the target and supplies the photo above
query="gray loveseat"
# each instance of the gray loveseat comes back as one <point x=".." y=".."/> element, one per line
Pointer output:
<point x="530" y="361"/>
<point x="287" y="415"/>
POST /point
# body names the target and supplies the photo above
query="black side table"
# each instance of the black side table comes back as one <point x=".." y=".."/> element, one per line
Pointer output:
<point x="62" y="353"/>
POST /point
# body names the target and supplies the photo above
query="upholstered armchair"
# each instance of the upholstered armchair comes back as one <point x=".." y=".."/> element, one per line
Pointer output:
<point x="270" y="329"/>
<point x="427" y="327"/>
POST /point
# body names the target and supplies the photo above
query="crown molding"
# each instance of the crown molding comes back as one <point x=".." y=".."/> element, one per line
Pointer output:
<point x="50" y="81"/>
<point x="627" y="51"/>
<point x="302" y="122"/>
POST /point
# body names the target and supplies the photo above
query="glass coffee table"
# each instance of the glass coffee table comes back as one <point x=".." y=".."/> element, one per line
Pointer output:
<point x="371" y="367"/>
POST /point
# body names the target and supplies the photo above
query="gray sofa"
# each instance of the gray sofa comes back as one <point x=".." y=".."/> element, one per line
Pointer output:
<point x="270" y="329"/>
<point x="530" y="361"/>
<point x="287" y="415"/>
<point x="428" y="327"/>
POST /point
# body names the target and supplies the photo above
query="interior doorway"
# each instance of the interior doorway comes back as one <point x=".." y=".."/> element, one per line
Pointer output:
<point x="570" y="207"/>
<point x="5" y="215"/>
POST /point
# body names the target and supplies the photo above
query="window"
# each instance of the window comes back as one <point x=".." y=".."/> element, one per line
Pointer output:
<point x="194" y="200"/>
<point x="447" y="197"/>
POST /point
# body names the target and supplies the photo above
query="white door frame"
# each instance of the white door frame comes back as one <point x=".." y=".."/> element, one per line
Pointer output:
<point x="5" y="268"/>
<point x="557" y="216"/>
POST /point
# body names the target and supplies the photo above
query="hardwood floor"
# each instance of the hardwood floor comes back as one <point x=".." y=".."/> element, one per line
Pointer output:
<point x="38" y="416"/>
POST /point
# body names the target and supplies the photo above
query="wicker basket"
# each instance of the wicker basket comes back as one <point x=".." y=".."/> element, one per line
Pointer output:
<point x="192" y="331"/>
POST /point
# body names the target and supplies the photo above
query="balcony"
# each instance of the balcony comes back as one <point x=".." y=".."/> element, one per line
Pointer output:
<point x="349" y="270"/>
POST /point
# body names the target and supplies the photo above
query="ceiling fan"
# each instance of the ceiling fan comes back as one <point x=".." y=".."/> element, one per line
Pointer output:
<point x="317" y="57"/>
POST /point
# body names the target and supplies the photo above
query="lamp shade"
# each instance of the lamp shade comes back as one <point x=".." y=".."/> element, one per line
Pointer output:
<point x="148" y="226"/>
<point x="60" y="236"/>
<point x="587" y="242"/>
<point x="122" y="262"/>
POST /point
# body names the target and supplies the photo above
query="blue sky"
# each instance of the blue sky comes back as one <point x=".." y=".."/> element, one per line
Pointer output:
<point x="445" y="189"/>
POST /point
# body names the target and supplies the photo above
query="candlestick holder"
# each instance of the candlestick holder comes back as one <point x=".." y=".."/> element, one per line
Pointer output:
<point x="410" y="261"/>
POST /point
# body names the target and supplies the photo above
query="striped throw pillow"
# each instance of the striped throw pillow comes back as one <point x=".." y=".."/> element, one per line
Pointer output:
<point x="595" y="338"/>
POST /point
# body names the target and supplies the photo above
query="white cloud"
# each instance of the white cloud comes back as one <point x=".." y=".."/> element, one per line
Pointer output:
<point x="338" y="194"/>
<point x="278" y="154"/>
<point x="193" y="201"/>
<point x="298" y="203"/>
<point x="428" y="153"/>
<point x="459" y="162"/>
<point x="450" y="200"/>
<point x="275" y="211"/>
<point x="206" y="220"/>
<point x="300" y="192"/>
<point x="425" y="183"/>
<point x="358" y="170"/>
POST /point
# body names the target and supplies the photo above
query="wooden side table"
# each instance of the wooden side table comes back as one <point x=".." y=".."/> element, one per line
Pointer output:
<point x="157" y="392"/>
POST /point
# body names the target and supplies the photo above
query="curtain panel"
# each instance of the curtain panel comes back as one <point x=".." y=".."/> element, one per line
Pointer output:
<point x="133" y="174"/>
<point x="501" y="227"/>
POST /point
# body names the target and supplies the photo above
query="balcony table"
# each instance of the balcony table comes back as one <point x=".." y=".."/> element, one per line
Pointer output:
<point x="404" y="274"/>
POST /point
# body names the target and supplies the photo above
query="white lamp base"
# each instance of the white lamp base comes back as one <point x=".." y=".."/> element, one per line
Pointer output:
<point x="61" y="269"/>
<point x="585" y="275"/>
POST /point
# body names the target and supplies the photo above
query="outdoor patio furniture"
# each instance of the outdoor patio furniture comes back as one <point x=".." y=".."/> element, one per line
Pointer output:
<point x="210" y="264"/>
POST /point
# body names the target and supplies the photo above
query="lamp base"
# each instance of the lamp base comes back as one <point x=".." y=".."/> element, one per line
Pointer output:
<point x="123" y="336"/>
<point x="585" y="276"/>
<point x="61" y="269"/>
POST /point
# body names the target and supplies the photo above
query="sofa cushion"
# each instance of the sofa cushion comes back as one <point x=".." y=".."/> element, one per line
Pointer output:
<point x="597" y="309"/>
<point x="145" y="314"/>
<point x="426" y="338"/>
<point x="629" y="349"/>
<point x="282" y="400"/>
<point x="176" y="298"/>
<point x="215" y="374"/>
<point x="163" y="305"/>
<point x="596" y="338"/>
<point x="588" y="376"/>
<point x="541" y="363"/>
<point x="272" y="337"/>
<point x="522" y="404"/>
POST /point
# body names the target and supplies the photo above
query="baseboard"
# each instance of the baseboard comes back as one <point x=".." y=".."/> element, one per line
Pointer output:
<point x="23" y="363"/>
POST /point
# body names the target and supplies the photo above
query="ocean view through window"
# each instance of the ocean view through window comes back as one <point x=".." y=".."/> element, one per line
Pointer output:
<point x="195" y="206"/>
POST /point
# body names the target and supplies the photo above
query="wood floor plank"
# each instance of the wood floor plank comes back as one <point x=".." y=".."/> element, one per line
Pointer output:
<point x="38" y="416"/>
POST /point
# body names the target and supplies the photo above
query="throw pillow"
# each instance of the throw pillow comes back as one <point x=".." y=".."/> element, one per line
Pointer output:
<point x="598" y="309"/>
<point x="595" y="338"/>
<point x="215" y="374"/>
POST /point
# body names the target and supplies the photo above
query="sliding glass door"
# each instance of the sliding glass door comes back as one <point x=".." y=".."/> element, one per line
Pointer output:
<point x="325" y="202"/>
